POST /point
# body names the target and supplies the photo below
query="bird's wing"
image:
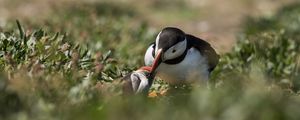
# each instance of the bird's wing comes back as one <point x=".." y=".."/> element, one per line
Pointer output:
<point x="205" y="49"/>
<point x="149" y="56"/>
<point x="127" y="85"/>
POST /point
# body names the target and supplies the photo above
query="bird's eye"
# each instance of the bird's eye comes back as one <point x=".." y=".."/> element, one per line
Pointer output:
<point x="175" y="51"/>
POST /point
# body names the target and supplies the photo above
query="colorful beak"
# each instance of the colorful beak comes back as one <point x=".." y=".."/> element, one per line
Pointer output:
<point x="146" y="68"/>
<point x="156" y="62"/>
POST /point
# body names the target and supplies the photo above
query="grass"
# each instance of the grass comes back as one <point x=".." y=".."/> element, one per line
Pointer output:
<point x="66" y="69"/>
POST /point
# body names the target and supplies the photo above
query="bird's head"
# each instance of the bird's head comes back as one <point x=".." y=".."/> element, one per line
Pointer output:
<point x="141" y="80"/>
<point x="170" y="44"/>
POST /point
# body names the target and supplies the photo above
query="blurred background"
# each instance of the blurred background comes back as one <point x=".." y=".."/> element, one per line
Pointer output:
<point x="61" y="59"/>
<point x="214" y="20"/>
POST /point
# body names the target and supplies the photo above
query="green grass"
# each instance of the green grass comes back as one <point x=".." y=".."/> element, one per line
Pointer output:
<point x="65" y="70"/>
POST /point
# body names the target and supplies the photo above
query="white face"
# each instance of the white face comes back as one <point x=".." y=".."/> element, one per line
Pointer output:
<point x="156" y="42"/>
<point x="175" y="51"/>
<point x="139" y="81"/>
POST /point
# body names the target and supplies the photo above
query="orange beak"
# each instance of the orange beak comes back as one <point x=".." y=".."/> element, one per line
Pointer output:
<point x="146" y="68"/>
<point x="156" y="62"/>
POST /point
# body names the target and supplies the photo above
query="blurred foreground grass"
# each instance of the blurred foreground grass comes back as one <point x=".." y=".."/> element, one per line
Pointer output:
<point x="69" y="74"/>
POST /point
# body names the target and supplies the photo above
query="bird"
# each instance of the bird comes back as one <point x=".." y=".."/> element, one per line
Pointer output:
<point x="137" y="82"/>
<point x="180" y="58"/>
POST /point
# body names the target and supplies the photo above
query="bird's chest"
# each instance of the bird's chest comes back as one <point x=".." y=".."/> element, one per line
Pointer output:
<point x="192" y="68"/>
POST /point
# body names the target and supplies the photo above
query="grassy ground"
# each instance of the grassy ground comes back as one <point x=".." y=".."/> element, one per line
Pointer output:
<point x="61" y="66"/>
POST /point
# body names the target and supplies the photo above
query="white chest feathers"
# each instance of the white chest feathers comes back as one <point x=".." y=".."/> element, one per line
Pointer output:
<point x="193" y="68"/>
<point x="148" y="56"/>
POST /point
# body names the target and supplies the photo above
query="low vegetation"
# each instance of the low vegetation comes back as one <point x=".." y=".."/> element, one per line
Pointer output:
<point x="66" y="69"/>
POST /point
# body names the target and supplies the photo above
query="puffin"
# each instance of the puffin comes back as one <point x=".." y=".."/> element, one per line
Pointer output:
<point x="137" y="82"/>
<point x="180" y="58"/>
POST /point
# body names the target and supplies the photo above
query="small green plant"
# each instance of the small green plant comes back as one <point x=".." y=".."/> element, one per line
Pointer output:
<point x="272" y="44"/>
